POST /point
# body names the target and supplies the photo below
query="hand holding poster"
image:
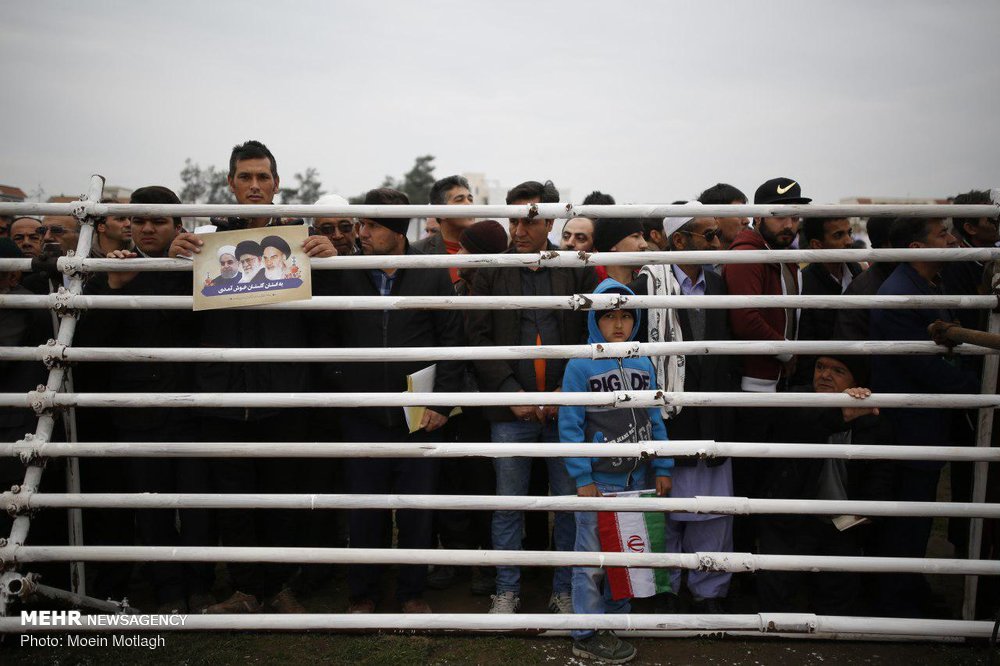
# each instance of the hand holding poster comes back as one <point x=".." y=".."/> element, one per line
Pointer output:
<point x="252" y="267"/>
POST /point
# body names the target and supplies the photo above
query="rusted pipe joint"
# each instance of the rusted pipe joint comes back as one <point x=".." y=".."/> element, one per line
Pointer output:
<point x="53" y="354"/>
<point x="42" y="400"/>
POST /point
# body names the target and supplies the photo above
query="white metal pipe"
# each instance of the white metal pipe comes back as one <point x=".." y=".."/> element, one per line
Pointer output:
<point x="543" y="210"/>
<point x="765" y="624"/>
<point x="706" y="561"/>
<point x="29" y="450"/>
<point x="619" y="399"/>
<point x="74" y="599"/>
<point x="52" y="352"/>
<point x="574" y="302"/>
<point x="730" y="506"/>
<point x="553" y="258"/>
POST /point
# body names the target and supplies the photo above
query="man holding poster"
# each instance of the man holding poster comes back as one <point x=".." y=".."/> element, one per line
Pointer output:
<point x="253" y="179"/>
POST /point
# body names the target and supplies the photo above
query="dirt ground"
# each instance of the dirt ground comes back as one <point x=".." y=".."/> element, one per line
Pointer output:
<point x="330" y="596"/>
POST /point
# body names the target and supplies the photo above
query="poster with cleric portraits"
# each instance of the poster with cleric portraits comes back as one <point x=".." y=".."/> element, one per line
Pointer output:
<point x="251" y="267"/>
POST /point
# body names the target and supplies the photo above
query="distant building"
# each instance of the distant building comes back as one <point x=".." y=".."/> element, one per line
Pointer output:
<point x="11" y="194"/>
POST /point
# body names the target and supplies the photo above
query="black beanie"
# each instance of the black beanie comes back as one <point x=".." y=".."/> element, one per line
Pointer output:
<point x="385" y="196"/>
<point x="484" y="237"/>
<point x="857" y="364"/>
<point x="608" y="231"/>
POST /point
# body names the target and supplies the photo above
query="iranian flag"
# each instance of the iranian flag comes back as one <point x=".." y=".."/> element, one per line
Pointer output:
<point x="622" y="532"/>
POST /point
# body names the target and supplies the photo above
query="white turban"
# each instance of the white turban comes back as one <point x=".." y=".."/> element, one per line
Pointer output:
<point x="329" y="200"/>
<point x="227" y="249"/>
<point x="672" y="224"/>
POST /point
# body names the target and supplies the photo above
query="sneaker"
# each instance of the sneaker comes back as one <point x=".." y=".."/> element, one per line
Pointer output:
<point x="561" y="602"/>
<point x="285" y="602"/>
<point x="361" y="606"/>
<point x="416" y="606"/>
<point x="604" y="646"/>
<point x="505" y="602"/>
<point x="442" y="577"/>
<point x="239" y="602"/>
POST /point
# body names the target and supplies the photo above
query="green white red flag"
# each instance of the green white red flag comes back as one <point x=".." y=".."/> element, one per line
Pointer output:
<point x="622" y="532"/>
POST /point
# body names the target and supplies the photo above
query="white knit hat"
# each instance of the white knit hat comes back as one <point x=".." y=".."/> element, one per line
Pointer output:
<point x="672" y="224"/>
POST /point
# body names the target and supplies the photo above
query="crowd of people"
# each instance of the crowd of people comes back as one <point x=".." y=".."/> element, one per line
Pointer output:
<point x="275" y="587"/>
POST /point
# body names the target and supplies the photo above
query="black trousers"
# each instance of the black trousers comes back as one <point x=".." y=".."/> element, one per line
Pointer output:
<point x="754" y="424"/>
<point x="371" y="528"/>
<point x="825" y="593"/>
<point x="903" y="595"/>
<point x="259" y="527"/>
<point x="465" y="476"/>
<point x="161" y="527"/>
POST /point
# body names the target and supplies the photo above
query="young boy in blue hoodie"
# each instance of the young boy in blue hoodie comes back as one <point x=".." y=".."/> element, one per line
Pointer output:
<point x="596" y="476"/>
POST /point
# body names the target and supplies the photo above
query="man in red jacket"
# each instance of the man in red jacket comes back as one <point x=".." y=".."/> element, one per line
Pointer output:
<point x="761" y="374"/>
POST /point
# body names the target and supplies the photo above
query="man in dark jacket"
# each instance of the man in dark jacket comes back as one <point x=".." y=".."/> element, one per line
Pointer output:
<point x="822" y="279"/>
<point x="179" y="587"/>
<point x="852" y="324"/>
<point x="253" y="179"/>
<point x="829" y="593"/>
<point x="690" y="532"/>
<point x="901" y="594"/>
<point x="533" y="421"/>
<point x="392" y="328"/>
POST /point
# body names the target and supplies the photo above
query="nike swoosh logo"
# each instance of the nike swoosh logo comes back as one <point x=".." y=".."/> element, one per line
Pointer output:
<point x="782" y="190"/>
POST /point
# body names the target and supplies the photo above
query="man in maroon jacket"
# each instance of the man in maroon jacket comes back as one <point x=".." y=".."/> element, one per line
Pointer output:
<point x="762" y="374"/>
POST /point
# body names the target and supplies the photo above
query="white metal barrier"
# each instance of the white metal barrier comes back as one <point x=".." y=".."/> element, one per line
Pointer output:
<point x="56" y="395"/>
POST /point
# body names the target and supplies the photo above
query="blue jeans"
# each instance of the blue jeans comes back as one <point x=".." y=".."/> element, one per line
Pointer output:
<point x="513" y="475"/>
<point x="588" y="597"/>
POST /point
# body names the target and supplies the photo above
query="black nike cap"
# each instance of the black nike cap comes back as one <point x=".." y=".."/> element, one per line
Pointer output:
<point x="780" y="191"/>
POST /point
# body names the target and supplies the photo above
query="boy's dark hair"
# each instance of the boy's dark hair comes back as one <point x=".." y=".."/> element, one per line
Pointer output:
<point x="598" y="198"/>
<point x="251" y="150"/>
<point x="545" y="192"/>
<point x="970" y="198"/>
<point x="721" y="194"/>
<point x="878" y="231"/>
<point x="386" y="196"/>
<point x="814" y="228"/>
<point x="156" y="194"/>
<point x="906" y="230"/>
<point x="445" y="185"/>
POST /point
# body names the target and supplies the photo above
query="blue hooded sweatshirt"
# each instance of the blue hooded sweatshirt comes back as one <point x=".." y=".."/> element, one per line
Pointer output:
<point x="608" y="424"/>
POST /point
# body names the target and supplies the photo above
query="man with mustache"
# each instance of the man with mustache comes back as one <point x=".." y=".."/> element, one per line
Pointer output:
<point x="275" y="251"/>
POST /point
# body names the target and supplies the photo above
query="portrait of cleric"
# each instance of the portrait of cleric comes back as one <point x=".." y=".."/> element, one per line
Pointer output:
<point x="250" y="262"/>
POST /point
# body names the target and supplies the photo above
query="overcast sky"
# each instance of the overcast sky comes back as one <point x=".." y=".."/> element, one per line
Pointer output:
<point x="650" y="101"/>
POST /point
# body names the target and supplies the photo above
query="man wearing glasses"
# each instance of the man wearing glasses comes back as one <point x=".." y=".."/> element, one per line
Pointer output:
<point x="688" y="532"/>
<point x="342" y="231"/>
<point x="63" y="230"/>
<point x="534" y="421"/>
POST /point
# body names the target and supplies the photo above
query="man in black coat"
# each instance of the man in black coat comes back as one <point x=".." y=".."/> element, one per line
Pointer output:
<point x="179" y="587"/>
<point x="822" y="279"/>
<point x="829" y="593"/>
<point x="389" y="329"/>
<point x="253" y="179"/>
<point x="686" y="532"/>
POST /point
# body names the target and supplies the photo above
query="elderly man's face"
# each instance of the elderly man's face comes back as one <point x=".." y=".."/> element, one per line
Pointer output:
<point x="831" y="376"/>
<point x="227" y="263"/>
<point x="61" y="229"/>
<point x="24" y="232"/>
<point x="701" y="233"/>
<point x="274" y="258"/>
<point x="341" y="232"/>
<point x="250" y="263"/>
